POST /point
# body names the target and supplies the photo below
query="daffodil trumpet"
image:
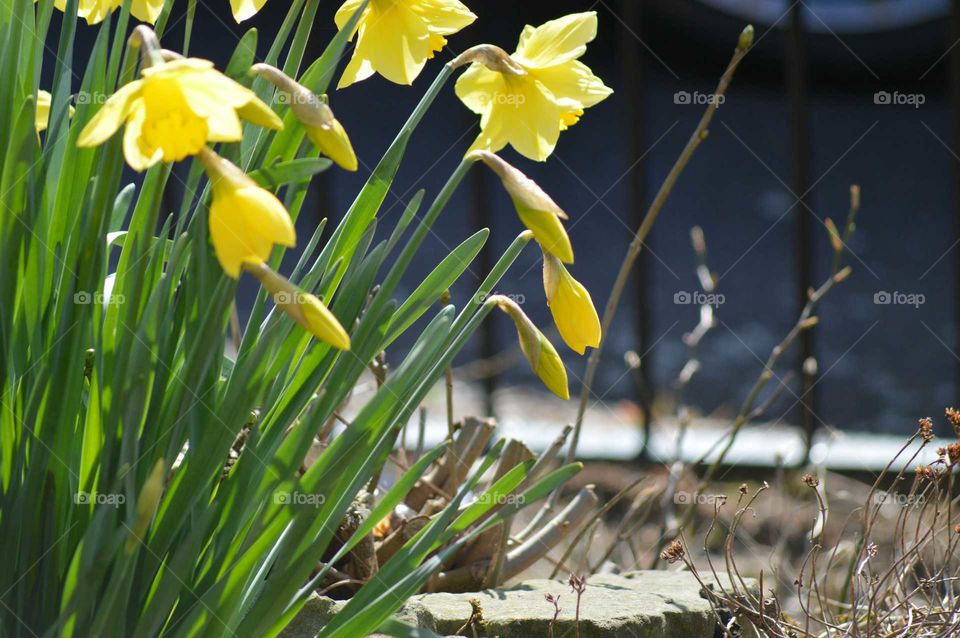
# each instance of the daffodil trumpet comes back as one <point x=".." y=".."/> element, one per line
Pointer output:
<point x="526" y="99"/>
<point x="305" y="309"/>
<point x="322" y="127"/>
<point x="536" y="208"/>
<point x="539" y="352"/>
<point x="571" y="306"/>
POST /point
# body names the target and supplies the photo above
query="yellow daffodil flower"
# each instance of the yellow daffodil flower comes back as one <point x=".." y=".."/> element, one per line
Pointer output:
<point x="304" y="308"/>
<point x="323" y="129"/>
<point x="571" y="306"/>
<point x="42" y="117"/>
<point x="96" y="11"/>
<point x="395" y="38"/>
<point x="541" y="90"/>
<point x="245" y="219"/>
<point x="174" y="110"/>
<point x="538" y="350"/>
<point x="536" y="209"/>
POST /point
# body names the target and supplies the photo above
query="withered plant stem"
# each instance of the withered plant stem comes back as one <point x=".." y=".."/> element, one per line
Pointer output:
<point x="636" y="245"/>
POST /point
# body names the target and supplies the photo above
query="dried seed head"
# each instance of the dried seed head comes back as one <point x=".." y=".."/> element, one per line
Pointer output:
<point x="926" y="429"/>
<point x="953" y="452"/>
<point x="928" y="473"/>
<point x="954" y="417"/>
<point x="742" y="489"/>
<point x="672" y="552"/>
<point x="810" y="481"/>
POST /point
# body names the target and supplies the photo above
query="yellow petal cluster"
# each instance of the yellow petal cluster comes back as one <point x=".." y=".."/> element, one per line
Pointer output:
<point x="174" y="110"/>
<point x="245" y="219"/>
<point x="395" y="38"/>
<point x="571" y="306"/>
<point x="528" y="108"/>
<point x="537" y="349"/>
<point x="96" y="11"/>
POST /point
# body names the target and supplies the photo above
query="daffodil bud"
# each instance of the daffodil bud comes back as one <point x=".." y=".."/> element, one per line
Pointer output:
<point x="536" y="209"/>
<point x="323" y="129"/>
<point x="490" y="56"/>
<point x="304" y="308"/>
<point x="246" y="220"/>
<point x="536" y="348"/>
<point x="147" y="503"/>
<point x="571" y="306"/>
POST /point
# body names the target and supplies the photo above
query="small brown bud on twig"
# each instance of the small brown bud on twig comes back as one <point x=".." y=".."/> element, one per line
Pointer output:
<point x="843" y="274"/>
<point x="834" y="234"/>
<point x="926" y="429"/>
<point x="810" y="481"/>
<point x="809" y="322"/>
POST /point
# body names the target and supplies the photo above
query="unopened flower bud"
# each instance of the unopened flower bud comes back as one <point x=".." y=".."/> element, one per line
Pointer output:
<point x="538" y="350"/>
<point x="536" y="209"/>
<point x="305" y="309"/>
<point x="323" y="129"/>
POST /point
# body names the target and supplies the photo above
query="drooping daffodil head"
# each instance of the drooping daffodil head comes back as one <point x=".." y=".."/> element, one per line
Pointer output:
<point x="174" y="110"/>
<point x="322" y="128"/>
<point x="539" y="352"/>
<point x="542" y="90"/>
<point x="395" y="38"/>
<point x="571" y="306"/>
<point x="245" y="220"/>
<point x="536" y="209"/>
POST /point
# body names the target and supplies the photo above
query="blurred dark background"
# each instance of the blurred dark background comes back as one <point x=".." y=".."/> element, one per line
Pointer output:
<point x="801" y="123"/>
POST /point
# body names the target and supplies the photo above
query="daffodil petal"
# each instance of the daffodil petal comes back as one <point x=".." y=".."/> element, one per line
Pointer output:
<point x="111" y="115"/>
<point x="532" y="124"/>
<point x="557" y="41"/>
<point x="346" y="11"/>
<point x="42" y="116"/>
<point x="479" y="87"/>
<point x="146" y="10"/>
<point x="245" y="9"/>
<point x="574" y="85"/>
<point x="444" y="17"/>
